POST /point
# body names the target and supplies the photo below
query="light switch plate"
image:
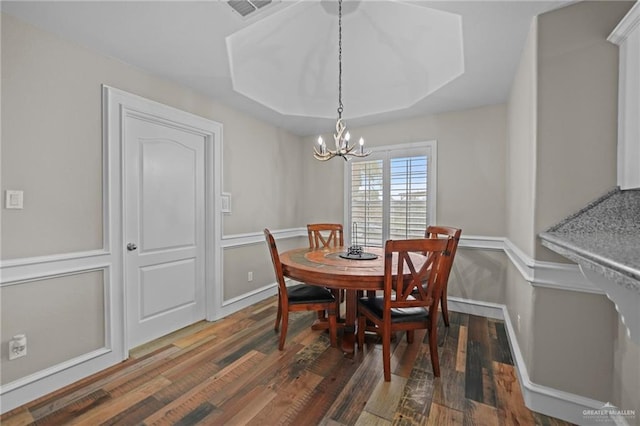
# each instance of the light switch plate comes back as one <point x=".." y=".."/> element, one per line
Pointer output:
<point x="14" y="199"/>
<point x="225" y="202"/>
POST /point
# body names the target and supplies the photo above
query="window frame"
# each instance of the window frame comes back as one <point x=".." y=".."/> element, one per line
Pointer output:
<point x="386" y="153"/>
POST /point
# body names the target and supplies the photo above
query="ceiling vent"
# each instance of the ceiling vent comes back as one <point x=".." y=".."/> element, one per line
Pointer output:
<point x="247" y="7"/>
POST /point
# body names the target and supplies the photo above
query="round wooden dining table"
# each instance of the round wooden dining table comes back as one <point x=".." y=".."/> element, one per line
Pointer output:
<point x="325" y="267"/>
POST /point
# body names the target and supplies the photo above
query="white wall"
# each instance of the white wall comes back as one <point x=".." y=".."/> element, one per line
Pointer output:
<point x="577" y="104"/>
<point x="52" y="149"/>
<point x="562" y="132"/>
<point x="521" y="147"/>
<point x="471" y="168"/>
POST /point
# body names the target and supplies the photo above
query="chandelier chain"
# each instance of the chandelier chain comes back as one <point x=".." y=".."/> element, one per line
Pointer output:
<point x="341" y="138"/>
<point x="340" y="106"/>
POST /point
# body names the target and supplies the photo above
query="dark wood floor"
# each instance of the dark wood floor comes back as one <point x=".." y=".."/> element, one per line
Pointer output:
<point x="230" y="372"/>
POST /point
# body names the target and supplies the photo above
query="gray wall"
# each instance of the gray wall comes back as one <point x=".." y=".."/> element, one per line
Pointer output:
<point x="562" y="133"/>
<point x="52" y="149"/>
<point x="471" y="168"/>
<point x="521" y="148"/>
<point x="63" y="317"/>
<point x="577" y="110"/>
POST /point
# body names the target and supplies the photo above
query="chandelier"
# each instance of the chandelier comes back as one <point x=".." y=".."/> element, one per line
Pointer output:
<point x="342" y="136"/>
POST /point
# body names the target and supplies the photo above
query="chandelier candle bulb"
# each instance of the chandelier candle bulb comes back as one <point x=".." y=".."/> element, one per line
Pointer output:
<point x="323" y="147"/>
<point x="361" y="142"/>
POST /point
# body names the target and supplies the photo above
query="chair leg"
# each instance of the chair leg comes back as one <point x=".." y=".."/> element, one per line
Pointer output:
<point x="361" y="326"/>
<point x="410" y="334"/>
<point x="283" y="332"/>
<point x="337" y="294"/>
<point x="433" y="351"/>
<point x="386" y="353"/>
<point x="333" y="338"/>
<point x="445" y="309"/>
<point x="278" y="315"/>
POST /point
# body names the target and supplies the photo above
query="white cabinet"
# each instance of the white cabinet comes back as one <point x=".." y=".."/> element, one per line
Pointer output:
<point x="627" y="36"/>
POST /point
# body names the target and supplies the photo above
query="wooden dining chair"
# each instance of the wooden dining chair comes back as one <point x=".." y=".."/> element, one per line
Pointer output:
<point x="301" y="297"/>
<point x="406" y="304"/>
<point x="453" y="233"/>
<point x="323" y="235"/>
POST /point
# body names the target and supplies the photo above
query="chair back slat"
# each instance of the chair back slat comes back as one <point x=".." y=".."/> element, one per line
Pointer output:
<point x="446" y="231"/>
<point x="275" y="259"/>
<point x="323" y="235"/>
<point x="409" y="289"/>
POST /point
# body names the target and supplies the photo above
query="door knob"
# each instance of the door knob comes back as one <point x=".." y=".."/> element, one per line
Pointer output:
<point x="131" y="247"/>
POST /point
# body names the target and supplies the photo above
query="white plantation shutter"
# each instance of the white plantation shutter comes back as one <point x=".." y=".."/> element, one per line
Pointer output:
<point x="408" y="216"/>
<point x="367" y="202"/>
<point x="391" y="194"/>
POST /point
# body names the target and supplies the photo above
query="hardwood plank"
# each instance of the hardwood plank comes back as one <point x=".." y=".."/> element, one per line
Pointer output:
<point x="327" y="362"/>
<point x="461" y="358"/>
<point x="415" y="401"/>
<point x="449" y="389"/>
<point x="18" y="417"/>
<point x="328" y="391"/>
<point x="199" y="413"/>
<point x="502" y="353"/>
<point x="110" y="409"/>
<point x="385" y="397"/>
<point x="441" y="415"/>
<point x="542" y="420"/>
<point x="180" y="404"/>
<point x="478" y="331"/>
<point x="70" y="394"/>
<point x="167" y="340"/>
<point x="348" y="405"/>
<point x="478" y="414"/>
<point x="290" y="400"/>
<point x="59" y="399"/>
<point x="509" y="399"/>
<point x="199" y="337"/>
<point x="488" y="388"/>
<point x="75" y="409"/>
<point x="136" y="413"/>
<point x="368" y="419"/>
<point x="473" y="387"/>
<point x="406" y="358"/>
<point x="241" y="410"/>
<point x="491" y="329"/>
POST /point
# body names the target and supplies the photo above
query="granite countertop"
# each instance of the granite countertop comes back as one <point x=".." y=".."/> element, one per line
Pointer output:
<point x="604" y="236"/>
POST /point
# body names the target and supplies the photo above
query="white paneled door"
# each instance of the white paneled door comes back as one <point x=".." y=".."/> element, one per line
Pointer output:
<point x="164" y="209"/>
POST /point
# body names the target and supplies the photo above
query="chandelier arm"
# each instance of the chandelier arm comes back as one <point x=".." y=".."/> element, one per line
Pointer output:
<point x="323" y="157"/>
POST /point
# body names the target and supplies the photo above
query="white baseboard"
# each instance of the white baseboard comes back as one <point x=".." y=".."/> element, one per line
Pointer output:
<point x="34" y="386"/>
<point x="244" y="301"/>
<point x="542" y="399"/>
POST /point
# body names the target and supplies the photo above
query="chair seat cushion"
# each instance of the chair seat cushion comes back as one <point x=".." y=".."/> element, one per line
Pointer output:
<point x="303" y="293"/>
<point x="376" y="306"/>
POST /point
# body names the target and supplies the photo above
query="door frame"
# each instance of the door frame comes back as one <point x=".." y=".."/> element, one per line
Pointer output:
<point x="117" y="105"/>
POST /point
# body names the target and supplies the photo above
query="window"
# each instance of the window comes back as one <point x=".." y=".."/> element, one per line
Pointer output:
<point x="390" y="194"/>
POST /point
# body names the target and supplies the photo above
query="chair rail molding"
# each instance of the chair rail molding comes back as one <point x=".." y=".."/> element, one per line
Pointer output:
<point x="561" y="276"/>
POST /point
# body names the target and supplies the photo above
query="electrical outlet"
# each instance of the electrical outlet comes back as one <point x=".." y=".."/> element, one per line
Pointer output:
<point x="250" y="276"/>
<point x="17" y="346"/>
